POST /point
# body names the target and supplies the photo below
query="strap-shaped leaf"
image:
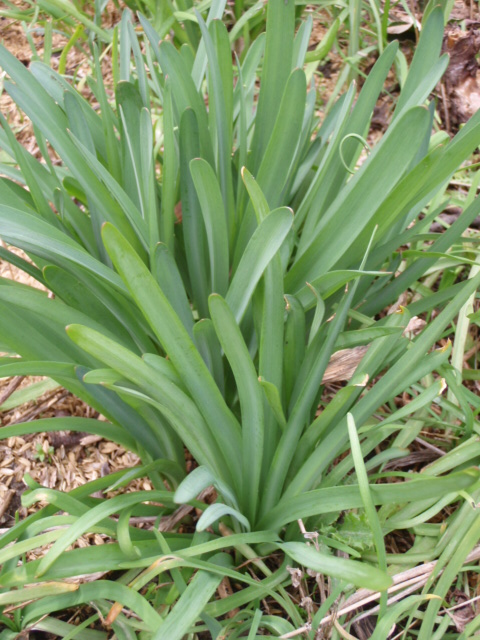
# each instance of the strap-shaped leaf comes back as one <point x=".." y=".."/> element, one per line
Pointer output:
<point x="278" y="158"/>
<point x="166" y="272"/>
<point x="308" y="381"/>
<point x="176" y="342"/>
<point x="273" y="396"/>
<point x="215" y="512"/>
<point x="158" y="389"/>
<point x="214" y="217"/>
<point x="262" y="247"/>
<point x="210" y="349"/>
<point x="359" y="200"/>
<point x="87" y="425"/>
<point x="426" y="55"/>
<point x="334" y="499"/>
<point x="330" y="179"/>
<point x="364" y="488"/>
<point x="92" y="517"/>
<point x="220" y="78"/>
<point x="251" y="401"/>
<point x="74" y="293"/>
<point x="37" y="237"/>
<point x="191" y="603"/>
<point x="276" y="69"/>
<point x="169" y="170"/>
<point x="193" y="228"/>
<point x="198" y="480"/>
<point x="184" y="93"/>
<point x="51" y="120"/>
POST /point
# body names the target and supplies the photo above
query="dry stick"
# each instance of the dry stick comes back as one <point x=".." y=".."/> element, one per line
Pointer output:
<point x="403" y="631"/>
<point x="6" y="502"/>
<point x="12" y="385"/>
<point x="342" y="632"/>
<point x="461" y="604"/>
<point x="401" y="580"/>
<point x="167" y="523"/>
<point x="432" y="447"/>
<point x="49" y="400"/>
<point x="416" y="584"/>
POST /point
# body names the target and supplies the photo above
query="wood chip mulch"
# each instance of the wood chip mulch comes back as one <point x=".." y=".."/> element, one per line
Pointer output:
<point x="61" y="460"/>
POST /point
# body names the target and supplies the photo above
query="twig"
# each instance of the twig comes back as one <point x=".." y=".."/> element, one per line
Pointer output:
<point x="6" y="502"/>
<point x="167" y="523"/>
<point x="461" y="604"/>
<point x="401" y="580"/>
<point x="298" y="632"/>
<point x="432" y="447"/>
<point x="12" y="385"/>
<point x="416" y="584"/>
<point x="48" y="402"/>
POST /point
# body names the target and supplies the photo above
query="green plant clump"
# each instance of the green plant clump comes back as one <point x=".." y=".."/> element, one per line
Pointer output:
<point x="203" y="297"/>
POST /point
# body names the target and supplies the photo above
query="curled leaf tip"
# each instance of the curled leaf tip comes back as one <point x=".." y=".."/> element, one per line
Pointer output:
<point x="363" y="381"/>
<point x="446" y="347"/>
